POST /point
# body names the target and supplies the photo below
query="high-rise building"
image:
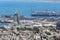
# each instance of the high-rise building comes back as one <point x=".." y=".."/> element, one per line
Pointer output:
<point x="16" y="18"/>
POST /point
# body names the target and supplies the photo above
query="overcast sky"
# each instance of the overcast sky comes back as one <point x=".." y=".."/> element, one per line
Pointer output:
<point x="33" y="0"/>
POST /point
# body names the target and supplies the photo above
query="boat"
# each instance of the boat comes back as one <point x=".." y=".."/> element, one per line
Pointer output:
<point x="45" y="13"/>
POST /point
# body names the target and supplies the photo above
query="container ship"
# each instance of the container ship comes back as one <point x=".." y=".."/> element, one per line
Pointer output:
<point x="45" y="13"/>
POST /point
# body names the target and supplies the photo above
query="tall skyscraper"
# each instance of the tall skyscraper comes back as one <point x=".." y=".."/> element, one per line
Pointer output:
<point x="16" y="17"/>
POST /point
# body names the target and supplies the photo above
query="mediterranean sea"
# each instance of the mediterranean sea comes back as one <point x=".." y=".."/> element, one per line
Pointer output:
<point x="24" y="8"/>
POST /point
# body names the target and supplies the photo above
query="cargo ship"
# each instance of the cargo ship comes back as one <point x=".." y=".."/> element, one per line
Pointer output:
<point x="45" y="13"/>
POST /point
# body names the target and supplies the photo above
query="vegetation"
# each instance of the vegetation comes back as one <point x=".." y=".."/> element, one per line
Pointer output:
<point x="48" y="33"/>
<point x="18" y="29"/>
<point x="25" y="28"/>
<point x="17" y="34"/>
<point x="35" y="29"/>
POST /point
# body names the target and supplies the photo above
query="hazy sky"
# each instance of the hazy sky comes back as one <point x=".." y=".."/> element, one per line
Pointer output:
<point x="33" y="0"/>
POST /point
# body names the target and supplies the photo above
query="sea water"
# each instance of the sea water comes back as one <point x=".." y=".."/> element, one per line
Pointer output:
<point x="24" y="8"/>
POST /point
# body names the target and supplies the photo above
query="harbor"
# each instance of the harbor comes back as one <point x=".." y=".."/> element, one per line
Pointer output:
<point x="22" y="28"/>
<point x="29" y="19"/>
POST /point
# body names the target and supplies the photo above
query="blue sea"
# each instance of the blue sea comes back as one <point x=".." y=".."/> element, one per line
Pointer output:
<point x="24" y="8"/>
